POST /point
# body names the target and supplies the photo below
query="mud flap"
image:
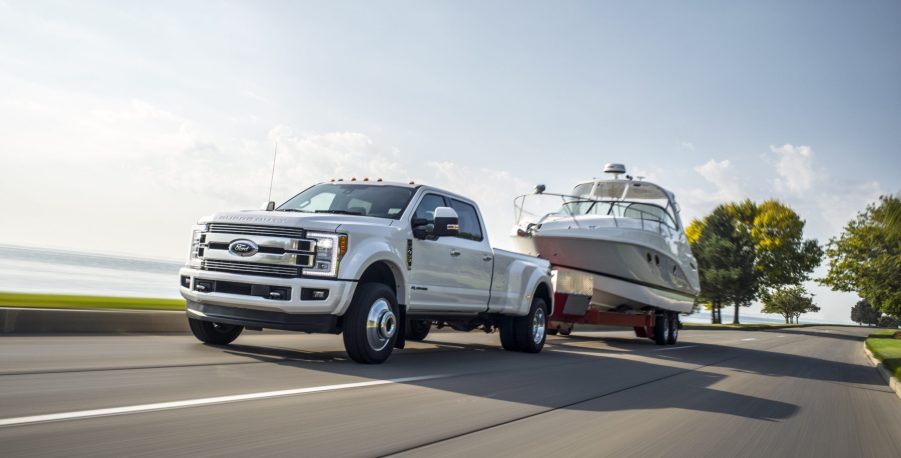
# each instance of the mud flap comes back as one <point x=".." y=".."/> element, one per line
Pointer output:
<point x="402" y="327"/>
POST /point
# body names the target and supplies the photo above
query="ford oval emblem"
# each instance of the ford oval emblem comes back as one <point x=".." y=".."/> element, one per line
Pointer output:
<point x="243" y="248"/>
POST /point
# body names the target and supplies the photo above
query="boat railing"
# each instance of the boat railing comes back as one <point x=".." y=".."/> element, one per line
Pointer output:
<point x="564" y="200"/>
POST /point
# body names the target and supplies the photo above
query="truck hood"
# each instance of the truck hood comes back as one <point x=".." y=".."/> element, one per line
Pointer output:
<point x="325" y="222"/>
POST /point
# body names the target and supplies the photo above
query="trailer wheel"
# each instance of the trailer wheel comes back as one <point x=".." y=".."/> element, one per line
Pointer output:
<point x="673" y="323"/>
<point x="531" y="330"/>
<point x="214" y="333"/>
<point x="418" y="329"/>
<point x="552" y="332"/>
<point x="370" y="324"/>
<point x="661" y="329"/>
<point x="567" y="330"/>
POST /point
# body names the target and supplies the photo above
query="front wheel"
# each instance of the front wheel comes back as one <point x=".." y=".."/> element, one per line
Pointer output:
<point x="531" y="330"/>
<point x="370" y="324"/>
<point x="214" y="333"/>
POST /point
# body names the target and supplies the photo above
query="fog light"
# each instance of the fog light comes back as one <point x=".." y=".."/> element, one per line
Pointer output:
<point x="313" y="294"/>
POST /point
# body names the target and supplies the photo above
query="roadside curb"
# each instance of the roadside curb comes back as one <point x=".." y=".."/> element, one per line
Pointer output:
<point x="703" y="327"/>
<point x="889" y="378"/>
<point x="67" y="321"/>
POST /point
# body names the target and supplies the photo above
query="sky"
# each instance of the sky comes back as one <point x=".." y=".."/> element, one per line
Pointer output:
<point x="121" y="123"/>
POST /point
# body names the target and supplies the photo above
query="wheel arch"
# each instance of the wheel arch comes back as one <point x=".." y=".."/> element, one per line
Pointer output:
<point x="387" y="273"/>
<point x="546" y="292"/>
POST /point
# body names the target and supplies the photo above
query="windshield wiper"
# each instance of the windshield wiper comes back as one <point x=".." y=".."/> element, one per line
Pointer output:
<point x="291" y="210"/>
<point x="340" y="212"/>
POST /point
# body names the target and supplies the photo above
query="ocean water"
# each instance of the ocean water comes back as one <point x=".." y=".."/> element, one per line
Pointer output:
<point x="37" y="270"/>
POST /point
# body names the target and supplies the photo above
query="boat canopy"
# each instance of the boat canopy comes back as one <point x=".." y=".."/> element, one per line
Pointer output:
<point x="624" y="190"/>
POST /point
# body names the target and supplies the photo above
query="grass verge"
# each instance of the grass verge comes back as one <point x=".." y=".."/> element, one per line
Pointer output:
<point x="69" y="301"/>
<point x="887" y="349"/>
<point x="749" y="325"/>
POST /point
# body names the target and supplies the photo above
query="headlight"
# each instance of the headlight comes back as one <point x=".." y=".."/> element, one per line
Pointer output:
<point x="198" y="238"/>
<point x="330" y="248"/>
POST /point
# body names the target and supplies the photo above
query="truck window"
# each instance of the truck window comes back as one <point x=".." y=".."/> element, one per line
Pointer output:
<point x="469" y="221"/>
<point x="426" y="208"/>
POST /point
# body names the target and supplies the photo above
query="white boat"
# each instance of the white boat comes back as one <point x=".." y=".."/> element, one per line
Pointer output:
<point x="620" y="241"/>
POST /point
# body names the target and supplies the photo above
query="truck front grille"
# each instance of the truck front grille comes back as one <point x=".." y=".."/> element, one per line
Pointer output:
<point x="251" y="268"/>
<point x="249" y="229"/>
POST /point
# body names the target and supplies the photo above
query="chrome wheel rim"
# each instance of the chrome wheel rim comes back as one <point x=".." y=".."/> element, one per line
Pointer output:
<point x="381" y="324"/>
<point x="539" y="326"/>
<point x="675" y="329"/>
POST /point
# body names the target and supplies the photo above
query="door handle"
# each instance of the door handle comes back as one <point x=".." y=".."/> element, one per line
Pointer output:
<point x="486" y="258"/>
<point x="455" y="252"/>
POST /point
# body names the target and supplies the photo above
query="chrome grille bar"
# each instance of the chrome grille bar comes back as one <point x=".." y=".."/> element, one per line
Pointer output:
<point x="249" y="268"/>
<point x="249" y="229"/>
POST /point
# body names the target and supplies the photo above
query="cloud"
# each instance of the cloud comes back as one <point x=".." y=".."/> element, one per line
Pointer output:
<point x="795" y="168"/>
<point x="722" y="175"/>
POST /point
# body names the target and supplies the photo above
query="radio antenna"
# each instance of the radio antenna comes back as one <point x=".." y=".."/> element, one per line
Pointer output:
<point x="272" y="177"/>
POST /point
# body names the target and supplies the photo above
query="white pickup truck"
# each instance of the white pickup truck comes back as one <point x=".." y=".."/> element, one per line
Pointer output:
<point x="379" y="262"/>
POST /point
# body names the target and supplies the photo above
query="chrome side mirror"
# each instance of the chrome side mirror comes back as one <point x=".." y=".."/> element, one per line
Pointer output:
<point x="447" y="223"/>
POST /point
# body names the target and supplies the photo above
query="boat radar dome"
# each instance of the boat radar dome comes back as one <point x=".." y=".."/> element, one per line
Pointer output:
<point x="615" y="169"/>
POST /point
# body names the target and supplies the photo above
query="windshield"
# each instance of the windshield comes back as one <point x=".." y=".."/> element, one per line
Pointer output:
<point x="619" y="209"/>
<point x="380" y="201"/>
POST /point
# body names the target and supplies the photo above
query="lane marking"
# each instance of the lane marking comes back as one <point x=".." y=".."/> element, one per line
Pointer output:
<point x="750" y="338"/>
<point x="204" y="401"/>
<point x="676" y="348"/>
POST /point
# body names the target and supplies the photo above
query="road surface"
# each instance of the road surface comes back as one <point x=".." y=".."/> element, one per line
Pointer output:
<point x="801" y="392"/>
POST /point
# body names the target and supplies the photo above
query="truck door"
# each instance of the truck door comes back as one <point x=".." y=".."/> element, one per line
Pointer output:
<point x="475" y="261"/>
<point x="433" y="283"/>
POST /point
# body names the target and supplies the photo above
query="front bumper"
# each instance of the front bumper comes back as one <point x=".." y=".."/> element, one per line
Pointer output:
<point x="340" y="293"/>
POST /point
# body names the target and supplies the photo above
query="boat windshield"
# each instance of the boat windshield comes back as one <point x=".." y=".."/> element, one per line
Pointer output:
<point x="615" y="198"/>
<point x="618" y="209"/>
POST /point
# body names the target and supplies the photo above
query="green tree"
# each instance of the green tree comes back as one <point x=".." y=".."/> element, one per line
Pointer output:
<point x="783" y="256"/>
<point x="888" y="321"/>
<point x="790" y="302"/>
<point x="866" y="257"/>
<point x="725" y="262"/>
<point x="769" y="249"/>
<point x="864" y="313"/>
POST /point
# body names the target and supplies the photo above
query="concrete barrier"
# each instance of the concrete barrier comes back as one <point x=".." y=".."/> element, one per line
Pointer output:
<point x="65" y="321"/>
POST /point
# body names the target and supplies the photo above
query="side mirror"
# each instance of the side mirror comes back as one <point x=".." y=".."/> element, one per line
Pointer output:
<point x="447" y="223"/>
<point x="270" y="206"/>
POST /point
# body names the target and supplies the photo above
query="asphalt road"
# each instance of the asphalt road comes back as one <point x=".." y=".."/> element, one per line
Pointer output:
<point x="803" y="392"/>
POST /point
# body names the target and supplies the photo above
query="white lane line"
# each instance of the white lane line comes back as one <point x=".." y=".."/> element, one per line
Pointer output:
<point x="204" y="401"/>
<point x="676" y="348"/>
<point x="750" y="338"/>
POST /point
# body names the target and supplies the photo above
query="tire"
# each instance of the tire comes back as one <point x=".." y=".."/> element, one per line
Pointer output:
<point x="370" y="324"/>
<point x="531" y="330"/>
<point x="673" y="323"/>
<point x="568" y="330"/>
<point x="214" y="333"/>
<point x="418" y="330"/>
<point x="552" y="332"/>
<point x="661" y="329"/>
<point x="508" y="334"/>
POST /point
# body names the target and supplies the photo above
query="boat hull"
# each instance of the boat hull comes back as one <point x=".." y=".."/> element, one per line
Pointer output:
<point x="624" y="271"/>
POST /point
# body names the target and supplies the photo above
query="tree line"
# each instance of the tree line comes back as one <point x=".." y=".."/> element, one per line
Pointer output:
<point x="747" y="251"/>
